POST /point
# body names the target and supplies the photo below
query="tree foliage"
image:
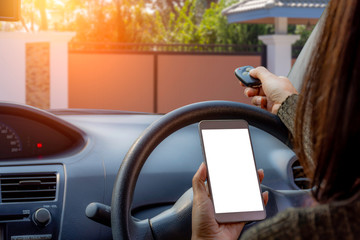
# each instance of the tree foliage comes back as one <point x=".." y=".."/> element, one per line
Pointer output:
<point x="146" y="21"/>
<point x="104" y="21"/>
<point x="194" y="23"/>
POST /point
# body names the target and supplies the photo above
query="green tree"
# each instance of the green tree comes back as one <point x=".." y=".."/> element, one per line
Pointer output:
<point x="105" y="21"/>
<point x="147" y="21"/>
<point x="41" y="5"/>
<point x="181" y="26"/>
<point x="215" y="29"/>
<point x="185" y="26"/>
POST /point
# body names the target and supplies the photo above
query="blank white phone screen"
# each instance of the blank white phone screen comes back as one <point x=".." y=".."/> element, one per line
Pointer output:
<point x="232" y="172"/>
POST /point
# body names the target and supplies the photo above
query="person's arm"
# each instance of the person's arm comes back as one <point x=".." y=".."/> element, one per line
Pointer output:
<point x="279" y="96"/>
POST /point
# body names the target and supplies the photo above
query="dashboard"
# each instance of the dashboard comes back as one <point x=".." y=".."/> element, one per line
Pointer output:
<point x="54" y="164"/>
<point x="26" y="132"/>
<point x="32" y="192"/>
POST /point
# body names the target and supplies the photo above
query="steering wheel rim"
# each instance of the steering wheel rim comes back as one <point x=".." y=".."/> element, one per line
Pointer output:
<point x="124" y="226"/>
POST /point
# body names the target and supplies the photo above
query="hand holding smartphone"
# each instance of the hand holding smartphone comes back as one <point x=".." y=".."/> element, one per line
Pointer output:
<point x="232" y="176"/>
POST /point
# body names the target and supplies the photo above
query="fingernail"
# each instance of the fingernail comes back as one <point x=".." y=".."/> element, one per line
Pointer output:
<point x="246" y="92"/>
<point x="258" y="101"/>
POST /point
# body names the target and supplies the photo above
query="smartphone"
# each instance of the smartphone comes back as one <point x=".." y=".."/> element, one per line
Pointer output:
<point x="231" y="171"/>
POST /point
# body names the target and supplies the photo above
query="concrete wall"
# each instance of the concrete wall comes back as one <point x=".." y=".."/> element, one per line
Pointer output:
<point x="111" y="81"/>
<point x="12" y="68"/>
<point x="192" y="78"/>
<point x="34" y="68"/>
<point x="153" y="83"/>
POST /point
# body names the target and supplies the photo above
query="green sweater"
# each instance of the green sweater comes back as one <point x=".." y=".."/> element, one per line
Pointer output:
<point x="333" y="221"/>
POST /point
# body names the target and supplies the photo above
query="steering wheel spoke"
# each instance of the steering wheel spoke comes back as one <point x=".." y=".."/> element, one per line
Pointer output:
<point x="177" y="219"/>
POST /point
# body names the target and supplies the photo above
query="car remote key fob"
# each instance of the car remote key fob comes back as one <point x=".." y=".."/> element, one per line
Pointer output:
<point x="242" y="73"/>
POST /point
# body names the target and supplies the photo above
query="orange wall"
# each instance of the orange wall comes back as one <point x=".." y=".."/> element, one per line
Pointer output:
<point x="111" y="81"/>
<point x="126" y="81"/>
<point x="185" y="79"/>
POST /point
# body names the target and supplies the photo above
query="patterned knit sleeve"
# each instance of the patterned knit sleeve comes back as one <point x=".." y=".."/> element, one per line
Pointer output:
<point x="287" y="112"/>
<point x="305" y="223"/>
<point x="283" y="226"/>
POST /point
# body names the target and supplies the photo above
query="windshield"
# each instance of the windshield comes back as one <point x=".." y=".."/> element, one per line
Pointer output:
<point x="133" y="56"/>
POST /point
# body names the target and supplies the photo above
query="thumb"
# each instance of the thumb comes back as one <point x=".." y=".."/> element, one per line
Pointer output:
<point x="199" y="179"/>
<point x="261" y="73"/>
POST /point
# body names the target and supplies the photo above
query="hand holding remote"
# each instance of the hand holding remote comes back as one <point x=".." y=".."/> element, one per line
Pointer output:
<point x="272" y="92"/>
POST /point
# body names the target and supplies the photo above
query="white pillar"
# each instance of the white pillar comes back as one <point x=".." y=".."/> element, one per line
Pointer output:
<point x="12" y="68"/>
<point x="59" y="96"/>
<point x="279" y="52"/>
<point x="13" y="65"/>
<point x="281" y="25"/>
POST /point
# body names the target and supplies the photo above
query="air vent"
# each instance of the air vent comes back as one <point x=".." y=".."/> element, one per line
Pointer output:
<point x="299" y="176"/>
<point x="27" y="187"/>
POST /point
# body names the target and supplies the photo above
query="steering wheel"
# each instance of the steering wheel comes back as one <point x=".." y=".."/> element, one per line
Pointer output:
<point x="175" y="223"/>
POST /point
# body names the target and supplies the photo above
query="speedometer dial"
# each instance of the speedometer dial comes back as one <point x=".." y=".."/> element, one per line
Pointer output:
<point x="9" y="141"/>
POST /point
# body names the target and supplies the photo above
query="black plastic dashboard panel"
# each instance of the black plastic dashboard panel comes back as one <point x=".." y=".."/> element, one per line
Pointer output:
<point x="27" y="132"/>
<point x="33" y="219"/>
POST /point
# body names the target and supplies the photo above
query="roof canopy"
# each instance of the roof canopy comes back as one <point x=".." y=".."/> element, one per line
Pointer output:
<point x="265" y="11"/>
